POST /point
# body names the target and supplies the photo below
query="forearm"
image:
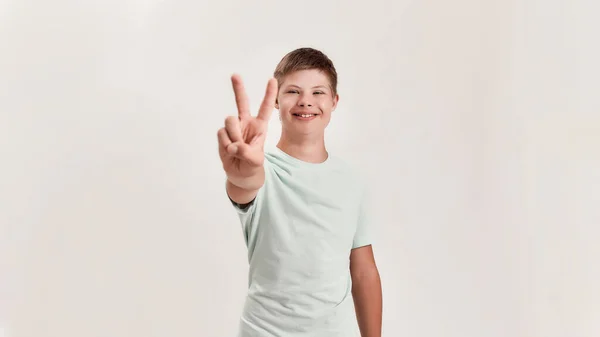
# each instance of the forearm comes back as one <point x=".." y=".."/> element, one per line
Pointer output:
<point x="251" y="181"/>
<point x="368" y="303"/>
<point x="244" y="189"/>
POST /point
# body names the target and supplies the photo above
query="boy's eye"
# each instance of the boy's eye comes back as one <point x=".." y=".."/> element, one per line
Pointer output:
<point x="296" y="91"/>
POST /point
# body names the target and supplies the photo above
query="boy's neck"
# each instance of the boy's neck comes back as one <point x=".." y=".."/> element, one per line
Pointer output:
<point x="308" y="150"/>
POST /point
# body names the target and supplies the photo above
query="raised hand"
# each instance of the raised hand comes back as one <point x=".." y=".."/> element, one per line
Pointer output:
<point x="241" y="141"/>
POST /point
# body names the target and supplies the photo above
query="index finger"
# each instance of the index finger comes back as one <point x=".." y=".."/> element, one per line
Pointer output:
<point x="241" y="99"/>
<point x="268" y="103"/>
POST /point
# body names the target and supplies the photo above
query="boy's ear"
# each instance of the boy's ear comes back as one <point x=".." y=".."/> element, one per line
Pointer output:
<point x="335" y="101"/>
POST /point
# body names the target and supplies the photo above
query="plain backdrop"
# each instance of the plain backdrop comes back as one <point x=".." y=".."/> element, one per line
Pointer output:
<point x="477" y="123"/>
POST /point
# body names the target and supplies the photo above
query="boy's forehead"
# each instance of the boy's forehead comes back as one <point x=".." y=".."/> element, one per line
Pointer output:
<point x="310" y="77"/>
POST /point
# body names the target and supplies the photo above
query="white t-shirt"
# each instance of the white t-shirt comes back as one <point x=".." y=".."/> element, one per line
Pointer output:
<point x="299" y="232"/>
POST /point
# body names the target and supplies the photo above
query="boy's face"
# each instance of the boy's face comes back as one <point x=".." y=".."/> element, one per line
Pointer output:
<point x="305" y="102"/>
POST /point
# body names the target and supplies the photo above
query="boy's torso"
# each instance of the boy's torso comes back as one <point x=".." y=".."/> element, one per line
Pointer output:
<point x="299" y="238"/>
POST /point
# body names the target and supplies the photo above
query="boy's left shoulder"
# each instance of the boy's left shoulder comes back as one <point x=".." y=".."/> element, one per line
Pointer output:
<point x="352" y="170"/>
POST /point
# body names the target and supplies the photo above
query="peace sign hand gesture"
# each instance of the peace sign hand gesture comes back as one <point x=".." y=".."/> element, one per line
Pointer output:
<point x="241" y="141"/>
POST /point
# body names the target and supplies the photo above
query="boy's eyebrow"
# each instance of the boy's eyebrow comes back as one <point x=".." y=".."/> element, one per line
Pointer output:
<point x="318" y="86"/>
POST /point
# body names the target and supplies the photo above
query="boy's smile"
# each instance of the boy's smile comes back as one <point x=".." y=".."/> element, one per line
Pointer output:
<point x="305" y="115"/>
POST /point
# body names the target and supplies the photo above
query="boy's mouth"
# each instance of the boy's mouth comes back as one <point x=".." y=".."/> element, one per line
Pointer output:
<point x="305" y="117"/>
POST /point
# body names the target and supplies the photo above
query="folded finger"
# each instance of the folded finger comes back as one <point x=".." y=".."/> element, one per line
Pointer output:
<point x="233" y="128"/>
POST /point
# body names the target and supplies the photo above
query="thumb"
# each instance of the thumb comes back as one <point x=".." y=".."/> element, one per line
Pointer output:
<point x="239" y="150"/>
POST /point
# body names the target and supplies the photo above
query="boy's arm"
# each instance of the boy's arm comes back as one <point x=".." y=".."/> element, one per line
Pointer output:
<point x="241" y="195"/>
<point x="366" y="291"/>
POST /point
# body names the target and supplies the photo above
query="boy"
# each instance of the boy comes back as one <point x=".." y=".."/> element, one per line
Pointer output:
<point x="302" y="210"/>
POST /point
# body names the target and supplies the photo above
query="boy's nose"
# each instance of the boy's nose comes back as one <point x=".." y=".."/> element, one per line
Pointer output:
<point x="304" y="101"/>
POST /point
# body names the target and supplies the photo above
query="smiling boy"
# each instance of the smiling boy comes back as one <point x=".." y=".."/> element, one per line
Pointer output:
<point x="303" y="211"/>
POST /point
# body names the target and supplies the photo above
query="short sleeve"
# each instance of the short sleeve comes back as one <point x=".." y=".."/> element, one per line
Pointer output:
<point x="246" y="212"/>
<point x="249" y="213"/>
<point x="363" y="234"/>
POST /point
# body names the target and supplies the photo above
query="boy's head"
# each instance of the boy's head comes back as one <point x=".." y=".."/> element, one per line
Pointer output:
<point x="307" y="93"/>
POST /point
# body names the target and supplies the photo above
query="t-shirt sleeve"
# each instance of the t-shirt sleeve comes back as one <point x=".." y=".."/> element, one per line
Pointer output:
<point x="363" y="234"/>
<point x="242" y="208"/>
<point x="248" y="214"/>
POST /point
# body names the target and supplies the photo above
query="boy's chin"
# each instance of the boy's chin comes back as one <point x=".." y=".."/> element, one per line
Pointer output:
<point x="310" y="130"/>
<point x="303" y="129"/>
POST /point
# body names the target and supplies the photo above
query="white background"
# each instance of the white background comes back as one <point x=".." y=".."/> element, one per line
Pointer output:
<point x="476" y="121"/>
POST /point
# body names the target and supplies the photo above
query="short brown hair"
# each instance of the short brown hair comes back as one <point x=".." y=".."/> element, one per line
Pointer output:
<point x="304" y="59"/>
